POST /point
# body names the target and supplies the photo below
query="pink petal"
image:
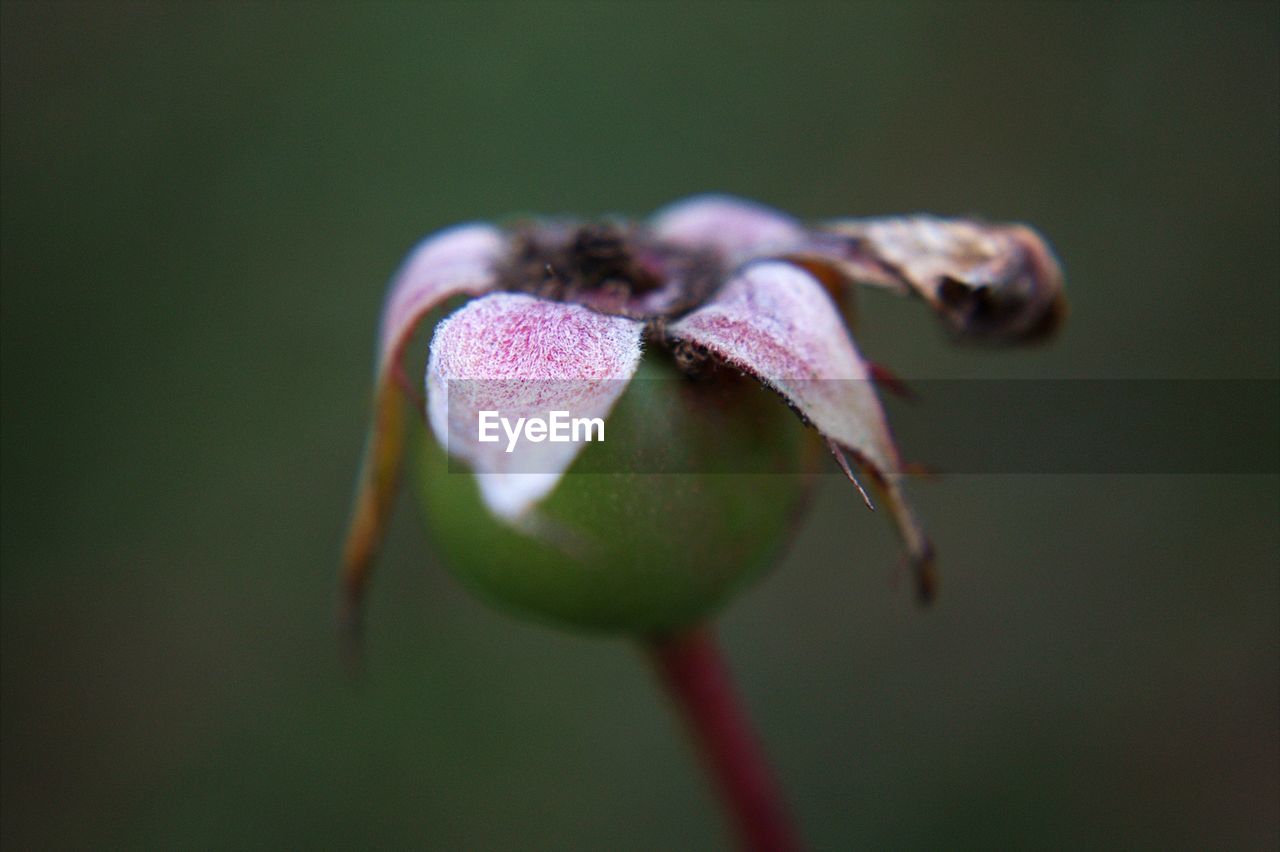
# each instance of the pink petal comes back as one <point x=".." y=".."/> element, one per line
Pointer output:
<point x="738" y="229"/>
<point x="523" y="357"/>
<point x="453" y="262"/>
<point x="776" y="321"/>
<point x="459" y="260"/>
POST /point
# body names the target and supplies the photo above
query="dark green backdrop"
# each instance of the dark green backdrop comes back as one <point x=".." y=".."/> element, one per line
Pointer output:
<point x="201" y="205"/>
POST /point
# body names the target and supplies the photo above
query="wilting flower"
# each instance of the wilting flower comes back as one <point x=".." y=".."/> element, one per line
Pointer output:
<point x="716" y="297"/>
<point x="562" y="315"/>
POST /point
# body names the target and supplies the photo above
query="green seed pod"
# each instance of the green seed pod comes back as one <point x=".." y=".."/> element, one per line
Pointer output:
<point x="651" y="529"/>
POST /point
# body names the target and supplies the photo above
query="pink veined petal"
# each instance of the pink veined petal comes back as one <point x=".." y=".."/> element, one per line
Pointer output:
<point x="454" y="262"/>
<point x="738" y="229"/>
<point x="522" y="357"/>
<point x="776" y="322"/>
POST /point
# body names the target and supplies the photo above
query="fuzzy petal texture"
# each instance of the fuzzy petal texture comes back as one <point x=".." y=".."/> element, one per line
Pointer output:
<point x="776" y="322"/>
<point x="454" y="262"/>
<point x="522" y="357"/>
<point x="460" y="260"/>
<point x="737" y="229"/>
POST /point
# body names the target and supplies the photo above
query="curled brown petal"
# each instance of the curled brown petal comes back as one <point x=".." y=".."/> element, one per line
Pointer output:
<point x="989" y="282"/>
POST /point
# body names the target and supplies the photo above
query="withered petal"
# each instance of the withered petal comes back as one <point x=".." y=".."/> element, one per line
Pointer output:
<point x="990" y="282"/>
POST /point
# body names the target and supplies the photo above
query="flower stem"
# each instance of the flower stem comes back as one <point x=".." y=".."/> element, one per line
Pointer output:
<point x="694" y="673"/>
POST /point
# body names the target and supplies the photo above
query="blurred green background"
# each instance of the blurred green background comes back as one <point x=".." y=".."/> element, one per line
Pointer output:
<point x="201" y="205"/>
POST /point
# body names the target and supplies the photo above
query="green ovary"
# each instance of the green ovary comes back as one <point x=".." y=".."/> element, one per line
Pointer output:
<point x="618" y="547"/>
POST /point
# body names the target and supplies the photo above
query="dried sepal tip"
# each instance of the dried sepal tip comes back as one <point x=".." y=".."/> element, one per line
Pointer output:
<point x="989" y="282"/>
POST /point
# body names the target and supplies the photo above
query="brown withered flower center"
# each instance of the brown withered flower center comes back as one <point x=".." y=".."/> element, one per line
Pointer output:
<point x="611" y="268"/>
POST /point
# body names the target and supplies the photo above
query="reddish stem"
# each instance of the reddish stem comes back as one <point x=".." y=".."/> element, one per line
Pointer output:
<point x="694" y="672"/>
